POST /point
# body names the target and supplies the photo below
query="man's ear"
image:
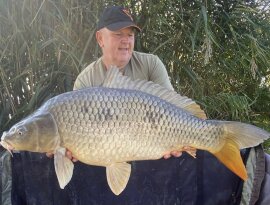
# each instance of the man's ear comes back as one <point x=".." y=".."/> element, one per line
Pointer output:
<point x="99" y="38"/>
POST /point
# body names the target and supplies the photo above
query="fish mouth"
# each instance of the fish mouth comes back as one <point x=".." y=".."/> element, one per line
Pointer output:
<point x="6" y="145"/>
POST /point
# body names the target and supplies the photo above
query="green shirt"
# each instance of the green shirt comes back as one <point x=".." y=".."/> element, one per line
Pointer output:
<point x="141" y="66"/>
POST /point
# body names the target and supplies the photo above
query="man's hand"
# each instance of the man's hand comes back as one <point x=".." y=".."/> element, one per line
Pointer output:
<point x="68" y="155"/>
<point x="173" y="153"/>
<point x="190" y="150"/>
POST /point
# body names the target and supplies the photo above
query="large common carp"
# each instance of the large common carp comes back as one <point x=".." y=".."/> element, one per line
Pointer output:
<point x="125" y="120"/>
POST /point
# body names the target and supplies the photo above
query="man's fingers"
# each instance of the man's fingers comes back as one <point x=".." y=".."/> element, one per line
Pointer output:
<point x="173" y="153"/>
<point x="69" y="154"/>
<point x="74" y="159"/>
<point x="166" y="156"/>
<point x="176" y="153"/>
<point x="49" y="154"/>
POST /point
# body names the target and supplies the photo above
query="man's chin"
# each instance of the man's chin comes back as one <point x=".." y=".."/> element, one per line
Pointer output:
<point x="123" y="61"/>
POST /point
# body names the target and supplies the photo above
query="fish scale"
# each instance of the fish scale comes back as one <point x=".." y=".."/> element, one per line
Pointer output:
<point x="151" y="124"/>
<point x="125" y="120"/>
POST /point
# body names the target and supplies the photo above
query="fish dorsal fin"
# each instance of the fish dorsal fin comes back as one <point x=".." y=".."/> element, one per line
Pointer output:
<point x="117" y="176"/>
<point x="115" y="79"/>
<point x="63" y="167"/>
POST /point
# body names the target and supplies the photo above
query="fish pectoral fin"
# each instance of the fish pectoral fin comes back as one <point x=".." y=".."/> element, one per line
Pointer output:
<point x="230" y="156"/>
<point x="117" y="176"/>
<point x="63" y="167"/>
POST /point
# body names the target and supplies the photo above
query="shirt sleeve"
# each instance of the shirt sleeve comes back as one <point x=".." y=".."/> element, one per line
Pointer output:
<point x="78" y="84"/>
<point x="159" y="75"/>
<point x="85" y="78"/>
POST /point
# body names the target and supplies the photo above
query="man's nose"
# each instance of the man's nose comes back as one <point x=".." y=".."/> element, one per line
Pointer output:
<point x="126" y="39"/>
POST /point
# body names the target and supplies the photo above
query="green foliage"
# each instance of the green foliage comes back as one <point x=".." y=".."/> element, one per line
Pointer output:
<point x="228" y="106"/>
<point x="217" y="52"/>
<point x="44" y="45"/>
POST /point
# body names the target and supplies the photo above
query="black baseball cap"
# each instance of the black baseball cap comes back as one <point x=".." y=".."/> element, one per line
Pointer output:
<point x="115" y="18"/>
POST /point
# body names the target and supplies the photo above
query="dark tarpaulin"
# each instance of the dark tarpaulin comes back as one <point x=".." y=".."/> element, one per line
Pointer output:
<point x="183" y="180"/>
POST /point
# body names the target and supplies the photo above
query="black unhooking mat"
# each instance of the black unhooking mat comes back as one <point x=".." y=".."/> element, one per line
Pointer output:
<point x="175" y="181"/>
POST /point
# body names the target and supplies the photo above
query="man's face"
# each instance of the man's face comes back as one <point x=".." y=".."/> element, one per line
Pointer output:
<point x="117" y="46"/>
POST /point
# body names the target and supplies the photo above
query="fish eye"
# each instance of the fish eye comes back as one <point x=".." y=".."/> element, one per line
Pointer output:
<point x="21" y="131"/>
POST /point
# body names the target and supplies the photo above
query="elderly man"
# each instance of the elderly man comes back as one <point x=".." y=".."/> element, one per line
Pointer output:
<point x="116" y="37"/>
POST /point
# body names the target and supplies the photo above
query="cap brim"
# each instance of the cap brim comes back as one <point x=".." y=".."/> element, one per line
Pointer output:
<point x="121" y="25"/>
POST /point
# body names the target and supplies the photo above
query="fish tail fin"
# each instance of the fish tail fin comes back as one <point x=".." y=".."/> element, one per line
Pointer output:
<point x="230" y="156"/>
<point x="238" y="136"/>
<point x="245" y="135"/>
